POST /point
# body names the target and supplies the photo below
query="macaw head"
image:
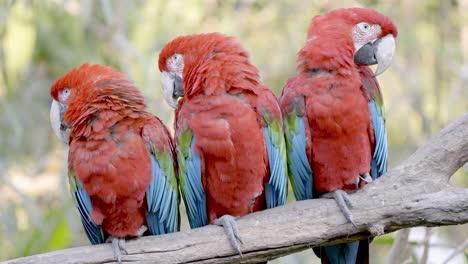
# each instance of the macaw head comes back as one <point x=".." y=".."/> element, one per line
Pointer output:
<point x="182" y="57"/>
<point x="74" y="92"/>
<point x="343" y="37"/>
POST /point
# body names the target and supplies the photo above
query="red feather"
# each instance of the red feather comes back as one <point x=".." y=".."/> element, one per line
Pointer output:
<point x="332" y="93"/>
<point x="329" y="91"/>
<point x="223" y="106"/>
<point x="109" y="144"/>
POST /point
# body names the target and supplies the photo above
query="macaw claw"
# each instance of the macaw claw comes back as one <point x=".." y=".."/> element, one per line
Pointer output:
<point x="141" y="231"/>
<point x="344" y="203"/>
<point x="230" y="227"/>
<point x="366" y="177"/>
<point x="118" y="248"/>
<point x="363" y="179"/>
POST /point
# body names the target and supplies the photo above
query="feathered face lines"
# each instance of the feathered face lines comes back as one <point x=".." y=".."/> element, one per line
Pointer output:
<point x="181" y="57"/>
<point x="173" y="61"/>
<point x="62" y="92"/>
<point x="364" y="33"/>
<point x="77" y="90"/>
<point x="344" y="37"/>
<point x="171" y="80"/>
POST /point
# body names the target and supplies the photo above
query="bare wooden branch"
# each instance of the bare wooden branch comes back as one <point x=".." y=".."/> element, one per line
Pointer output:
<point x="415" y="193"/>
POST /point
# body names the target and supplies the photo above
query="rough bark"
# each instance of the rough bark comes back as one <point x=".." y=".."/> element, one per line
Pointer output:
<point x="415" y="193"/>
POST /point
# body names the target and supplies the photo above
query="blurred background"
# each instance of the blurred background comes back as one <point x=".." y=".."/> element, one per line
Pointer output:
<point x="425" y="89"/>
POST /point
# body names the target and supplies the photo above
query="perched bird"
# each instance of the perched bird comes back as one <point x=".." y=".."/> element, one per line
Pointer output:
<point x="228" y="131"/>
<point x="334" y="115"/>
<point x="120" y="160"/>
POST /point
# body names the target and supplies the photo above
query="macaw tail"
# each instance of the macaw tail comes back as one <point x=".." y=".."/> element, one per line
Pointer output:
<point x="351" y="253"/>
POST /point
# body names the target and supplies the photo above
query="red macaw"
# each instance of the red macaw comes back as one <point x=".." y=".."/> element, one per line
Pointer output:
<point x="334" y="115"/>
<point x="229" y="134"/>
<point x="120" y="161"/>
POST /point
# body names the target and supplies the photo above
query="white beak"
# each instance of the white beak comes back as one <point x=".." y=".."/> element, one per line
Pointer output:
<point x="56" y="120"/>
<point x="385" y="50"/>
<point x="167" y="83"/>
<point x="380" y="52"/>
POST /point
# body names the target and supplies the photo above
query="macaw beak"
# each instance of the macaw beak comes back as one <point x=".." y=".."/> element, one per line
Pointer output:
<point x="56" y="120"/>
<point x="378" y="52"/>
<point x="172" y="88"/>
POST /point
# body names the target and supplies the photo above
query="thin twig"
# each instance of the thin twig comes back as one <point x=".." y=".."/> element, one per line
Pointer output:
<point x="399" y="247"/>
<point x="427" y="238"/>
<point x="456" y="251"/>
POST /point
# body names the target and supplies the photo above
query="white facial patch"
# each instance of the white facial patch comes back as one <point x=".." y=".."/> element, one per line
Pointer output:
<point x="175" y="64"/>
<point x="64" y="95"/>
<point x="364" y="33"/>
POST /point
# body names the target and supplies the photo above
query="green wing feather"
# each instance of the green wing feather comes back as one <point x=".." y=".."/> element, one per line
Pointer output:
<point x="277" y="186"/>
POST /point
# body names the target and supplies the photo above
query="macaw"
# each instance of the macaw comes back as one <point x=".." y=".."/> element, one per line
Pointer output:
<point x="228" y="131"/>
<point x="121" y="165"/>
<point x="334" y="115"/>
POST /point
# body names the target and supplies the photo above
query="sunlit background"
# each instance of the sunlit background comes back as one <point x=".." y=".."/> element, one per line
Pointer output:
<point x="425" y="89"/>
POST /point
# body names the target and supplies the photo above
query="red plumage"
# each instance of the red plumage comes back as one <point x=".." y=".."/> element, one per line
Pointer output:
<point x="224" y="106"/>
<point x="338" y="116"/>
<point x="331" y="106"/>
<point x="109" y="148"/>
<point x="340" y="140"/>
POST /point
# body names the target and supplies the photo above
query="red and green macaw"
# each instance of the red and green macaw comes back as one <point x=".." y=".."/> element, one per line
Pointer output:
<point x="228" y="131"/>
<point x="121" y="159"/>
<point x="334" y="115"/>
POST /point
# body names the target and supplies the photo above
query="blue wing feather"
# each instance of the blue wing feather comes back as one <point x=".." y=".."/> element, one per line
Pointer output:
<point x="342" y="253"/>
<point x="83" y="203"/>
<point x="299" y="167"/>
<point x="379" y="157"/>
<point x="162" y="216"/>
<point x="192" y="188"/>
<point x="276" y="188"/>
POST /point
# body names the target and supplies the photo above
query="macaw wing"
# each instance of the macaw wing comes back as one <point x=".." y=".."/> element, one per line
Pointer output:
<point x="380" y="155"/>
<point x="162" y="195"/>
<point x="83" y="202"/>
<point x="376" y="107"/>
<point x="300" y="172"/>
<point x="190" y="176"/>
<point x="276" y="189"/>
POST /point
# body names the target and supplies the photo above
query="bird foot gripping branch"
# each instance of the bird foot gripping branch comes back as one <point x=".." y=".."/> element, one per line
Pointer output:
<point x="228" y="222"/>
<point x="111" y="196"/>
<point x="118" y="247"/>
<point x="347" y="104"/>
<point x="344" y="202"/>
<point x="230" y="164"/>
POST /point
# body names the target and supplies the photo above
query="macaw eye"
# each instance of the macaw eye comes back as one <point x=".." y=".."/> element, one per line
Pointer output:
<point x="63" y="96"/>
<point x="176" y="58"/>
<point x="66" y="91"/>
<point x="363" y="26"/>
<point x="175" y="63"/>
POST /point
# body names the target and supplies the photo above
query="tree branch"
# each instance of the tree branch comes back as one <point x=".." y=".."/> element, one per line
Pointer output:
<point x="415" y="193"/>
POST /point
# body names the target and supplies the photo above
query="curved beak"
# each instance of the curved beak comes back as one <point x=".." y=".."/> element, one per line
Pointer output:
<point x="172" y="88"/>
<point x="56" y="120"/>
<point x="379" y="52"/>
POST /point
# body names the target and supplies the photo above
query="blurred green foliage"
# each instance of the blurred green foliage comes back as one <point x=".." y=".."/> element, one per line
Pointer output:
<point x="42" y="39"/>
